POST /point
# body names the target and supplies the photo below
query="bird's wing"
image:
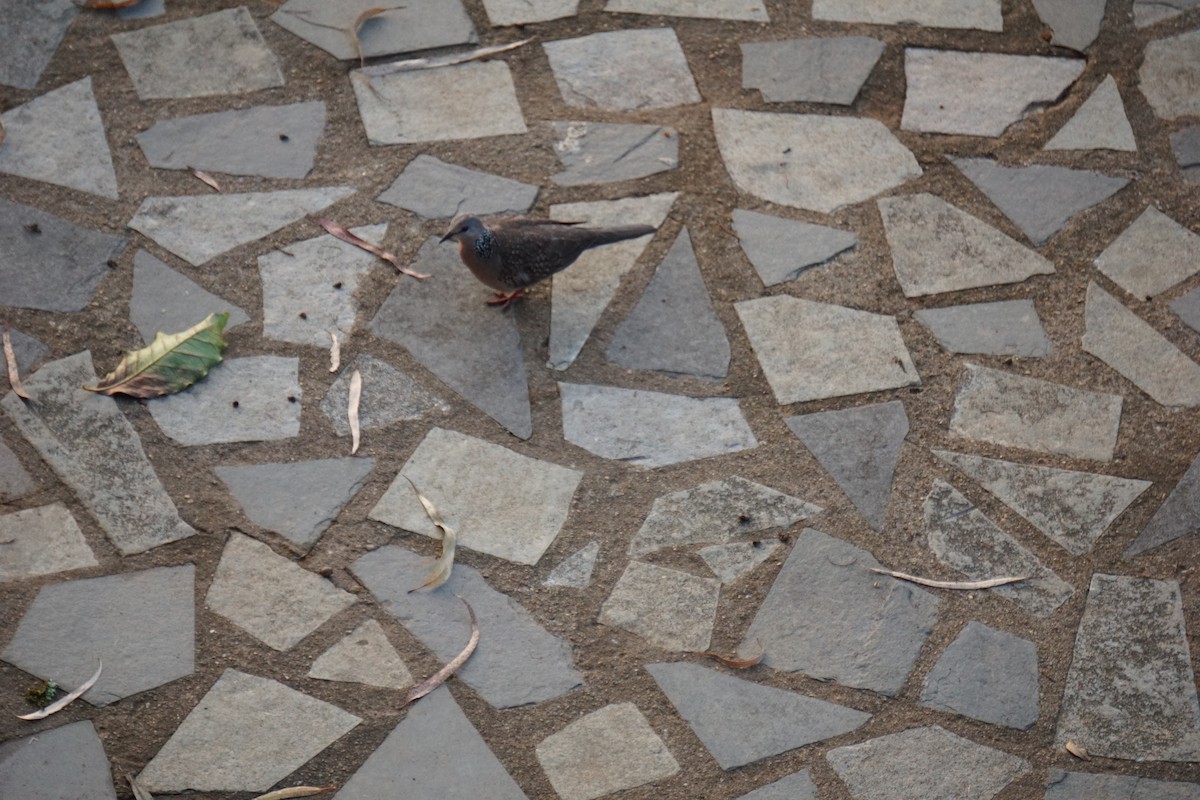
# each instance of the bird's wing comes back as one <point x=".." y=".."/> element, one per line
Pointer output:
<point x="533" y="252"/>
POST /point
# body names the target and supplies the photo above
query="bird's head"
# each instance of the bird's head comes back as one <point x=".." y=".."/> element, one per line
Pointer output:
<point x="463" y="226"/>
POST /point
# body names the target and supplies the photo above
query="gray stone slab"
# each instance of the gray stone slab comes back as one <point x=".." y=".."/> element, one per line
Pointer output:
<point x="979" y="94"/>
<point x="1131" y="692"/>
<point x="668" y="608"/>
<point x="983" y="15"/>
<point x="38" y="767"/>
<point x="499" y="502"/>
<point x="858" y="628"/>
<point x="1131" y="346"/>
<point x="446" y="325"/>
<point x="964" y="539"/>
<point x="1040" y="199"/>
<point x="175" y="59"/>
<point x="783" y="249"/>
<point x="166" y="301"/>
<point x="364" y="656"/>
<point x="59" y="138"/>
<point x="1179" y="515"/>
<point x="269" y="596"/>
<point x="673" y="327"/>
<point x="42" y="541"/>
<point x="1002" y="328"/>
<point x="610" y="749"/>
<point x="859" y="447"/>
<point x="740" y="721"/>
<point x="140" y="625"/>
<point x="28" y="350"/>
<point x="388" y="396"/>
<point x="988" y="675"/>
<point x="731" y="561"/>
<point x="522" y="12"/>
<point x="1150" y="256"/>
<point x="797" y="786"/>
<point x="811" y="351"/>
<point x="1015" y="411"/>
<point x="251" y="399"/>
<point x="1186" y="145"/>
<point x="1099" y="124"/>
<point x="409" y="107"/>
<point x="518" y="662"/>
<point x="927" y="762"/>
<point x="1169" y="77"/>
<point x="200" y="227"/>
<point x="750" y="10"/>
<point x="811" y="161"/>
<point x="270" y="141"/>
<point x="403" y="27"/>
<point x="309" y="287"/>
<point x="431" y="188"/>
<point x="830" y="70"/>
<point x="1150" y="12"/>
<point x="1075" y="23"/>
<point x="15" y="482"/>
<point x="605" y="152"/>
<point x="220" y="747"/>
<point x="1072" y="508"/>
<point x="1187" y="307"/>
<point x="626" y="70"/>
<point x="298" y="499"/>
<point x="651" y="429"/>
<point x="30" y="34"/>
<point x="143" y="9"/>
<point x="48" y="263"/>
<point x="717" y="512"/>
<point x="90" y="445"/>
<point x="575" y="570"/>
<point x="1095" y="786"/>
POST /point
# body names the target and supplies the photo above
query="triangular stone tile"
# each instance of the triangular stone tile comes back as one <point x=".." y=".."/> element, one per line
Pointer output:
<point x="364" y="656"/>
<point x="1099" y="124"/>
<point x="15" y="481"/>
<point x="1000" y="328"/>
<point x="731" y="561"/>
<point x="781" y="249"/>
<point x="1178" y="516"/>
<point x="431" y="188"/>
<point x="167" y="301"/>
<point x="797" y="786"/>
<point x="1150" y="256"/>
<point x="59" y="138"/>
<point x="35" y="767"/>
<point x="29" y="37"/>
<point x="576" y="569"/>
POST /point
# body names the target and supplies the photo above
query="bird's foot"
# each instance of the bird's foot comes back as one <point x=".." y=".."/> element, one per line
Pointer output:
<point x="505" y="299"/>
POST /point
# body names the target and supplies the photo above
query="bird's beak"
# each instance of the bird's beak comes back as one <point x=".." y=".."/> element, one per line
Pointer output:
<point x="446" y="238"/>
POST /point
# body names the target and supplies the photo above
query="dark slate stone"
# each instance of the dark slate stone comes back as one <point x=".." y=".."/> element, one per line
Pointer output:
<point x="15" y="482"/>
<point x="1188" y="308"/>
<point x="48" y="263"/>
<point x="433" y="189"/>
<point x="782" y="249"/>
<point x="388" y="396"/>
<point x="797" y="786"/>
<point x="1076" y="23"/>
<point x="986" y="674"/>
<point x="603" y="152"/>
<point x="740" y="721"/>
<point x="1006" y="327"/>
<point x="1179" y="515"/>
<point x="673" y="328"/>
<point x="64" y="763"/>
<point x="165" y="300"/>
<point x="1096" y="786"/>
<point x="28" y="350"/>
<point x="830" y="70"/>
<point x="406" y="25"/>
<point x="1186" y="145"/>
<point x="30" y="33"/>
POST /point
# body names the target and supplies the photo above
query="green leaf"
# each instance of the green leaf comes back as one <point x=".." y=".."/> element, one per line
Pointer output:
<point x="169" y="363"/>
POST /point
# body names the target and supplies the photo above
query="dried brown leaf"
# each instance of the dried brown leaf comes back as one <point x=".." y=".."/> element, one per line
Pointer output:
<point x="352" y="410"/>
<point x="441" y="61"/>
<point x="67" y="699"/>
<point x="438" y="678"/>
<point x="984" y="584"/>
<point x="736" y="663"/>
<point x="204" y="176"/>
<point x="346" y="236"/>
<point x="370" y="13"/>
<point x="295" y="791"/>
<point x="335" y="352"/>
<point x="10" y="359"/>
<point x="1078" y="750"/>
<point x="442" y="568"/>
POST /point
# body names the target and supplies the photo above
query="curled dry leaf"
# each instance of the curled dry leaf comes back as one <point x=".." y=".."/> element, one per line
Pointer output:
<point x="441" y="61"/>
<point x="359" y="21"/>
<point x="169" y="363"/>
<point x="67" y="699"/>
<point x="352" y="410"/>
<point x="736" y="663"/>
<point x="295" y="791"/>
<point x="1078" y="750"/>
<point x="441" y="569"/>
<point x="346" y="236"/>
<point x="438" y="678"/>
<point x="984" y="584"/>
<point x="10" y="359"/>
<point x="335" y="352"/>
<point x="208" y="179"/>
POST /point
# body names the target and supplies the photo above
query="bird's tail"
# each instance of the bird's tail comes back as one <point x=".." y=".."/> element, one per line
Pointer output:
<point x="617" y="233"/>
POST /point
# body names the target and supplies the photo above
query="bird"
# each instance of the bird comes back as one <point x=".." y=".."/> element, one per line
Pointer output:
<point x="511" y="253"/>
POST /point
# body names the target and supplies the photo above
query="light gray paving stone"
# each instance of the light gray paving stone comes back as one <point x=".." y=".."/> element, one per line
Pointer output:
<point x="42" y="541"/>
<point x="1131" y="346"/>
<point x="610" y="749"/>
<point x="200" y="227"/>
<point x="37" y="767"/>
<point x="859" y="447"/>
<point x="364" y="656"/>
<point x="811" y="161"/>
<point x="175" y="59"/>
<point x="59" y="138"/>
<point x="1149" y="12"/>
<point x="988" y="675"/>
<point x="90" y="445"/>
<point x="140" y="625"/>
<point x="28" y="350"/>
<point x="1072" y="508"/>
<point x="651" y="429"/>
<point x="522" y="12"/>
<point x="30" y="34"/>
<point x="220" y="747"/>
<point x="1015" y="411"/>
<point x="1179" y="515"/>
<point x="979" y="94"/>
<point x="270" y="141"/>
<point x="581" y="294"/>
<point x="1150" y="256"/>
<point x="575" y="570"/>
<point x="1040" y="199"/>
<point x="431" y="188"/>
<point x="251" y="399"/>
<point x="388" y="396"/>
<point x="167" y="301"/>
<point x="927" y="762"/>
<point x="309" y="287"/>
<point x="446" y="325"/>
<point x="1075" y="23"/>
<point x="143" y="9"/>
<point x="830" y="70"/>
<point x="1187" y="307"/>
<point x="731" y="561"/>
<point x="858" y="628"/>
<point x="269" y="596"/>
<point x="403" y="26"/>
<point x="518" y="662"/>
<point x="981" y="15"/>
<point x="627" y="70"/>
<point x="298" y="499"/>
<point x="750" y="10"/>
<point x="1186" y="145"/>
<point x="810" y="350"/>
<point x="48" y="263"/>
<point x="797" y="786"/>
<point x="498" y="501"/>
<point x="668" y="608"/>
<point x="1131" y="692"/>
<point x="783" y="249"/>
<point x="1169" y="77"/>
<point x="673" y="327"/>
<point x="740" y="721"/>
<point x="409" y="107"/>
<point x="1099" y="124"/>
<point x="604" y="152"/>
<point x="15" y="482"/>
<point x="1096" y="786"/>
<point x="1002" y="328"/>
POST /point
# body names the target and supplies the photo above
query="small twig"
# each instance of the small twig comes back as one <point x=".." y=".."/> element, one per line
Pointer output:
<point x="390" y="67"/>
<point x="984" y="584"/>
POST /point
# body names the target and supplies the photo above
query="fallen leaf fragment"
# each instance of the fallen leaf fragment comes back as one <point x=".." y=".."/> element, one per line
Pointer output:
<point x="3" y="133"/>
<point x="984" y="584"/>
<point x="438" y="678"/>
<point x="1078" y="750"/>
<point x="139" y="792"/>
<point x="441" y="569"/>
<point x="169" y="363"/>
<point x="10" y="358"/>
<point x="67" y="699"/>
<point x="346" y="236"/>
<point x="441" y="61"/>
<point x="370" y="13"/>
<point x="352" y="410"/>
<point x="736" y="663"/>
<point x="295" y="791"/>
<point x="335" y="352"/>
<point x="204" y="176"/>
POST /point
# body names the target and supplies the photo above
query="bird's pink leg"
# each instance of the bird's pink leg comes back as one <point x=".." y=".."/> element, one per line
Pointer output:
<point x="504" y="299"/>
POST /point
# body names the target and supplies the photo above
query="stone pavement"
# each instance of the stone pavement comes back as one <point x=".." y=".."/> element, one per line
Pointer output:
<point x="924" y="297"/>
